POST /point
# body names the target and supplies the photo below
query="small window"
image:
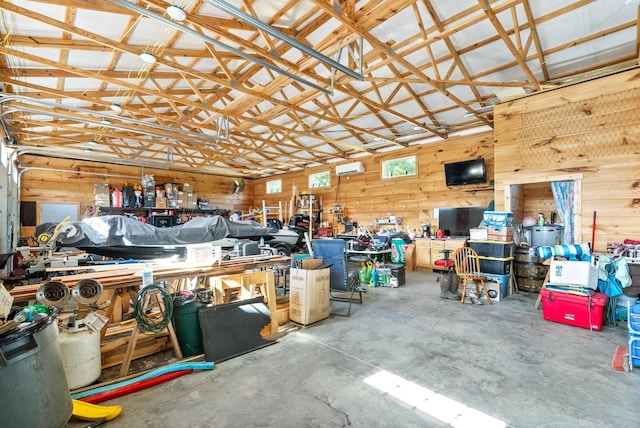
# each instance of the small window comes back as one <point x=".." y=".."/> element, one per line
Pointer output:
<point x="274" y="186"/>
<point x="399" y="167"/>
<point x="320" y="179"/>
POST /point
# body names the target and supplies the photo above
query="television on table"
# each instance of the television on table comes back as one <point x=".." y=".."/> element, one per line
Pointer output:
<point x="457" y="221"/>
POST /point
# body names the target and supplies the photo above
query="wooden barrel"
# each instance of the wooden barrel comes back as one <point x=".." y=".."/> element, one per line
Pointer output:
<point x="529" y="270"/>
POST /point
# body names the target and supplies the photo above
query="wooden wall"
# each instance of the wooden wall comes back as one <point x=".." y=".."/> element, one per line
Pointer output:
<point x="74" y="186"/>
<point x="367" y="197"/>
<point x="589" y="130"/>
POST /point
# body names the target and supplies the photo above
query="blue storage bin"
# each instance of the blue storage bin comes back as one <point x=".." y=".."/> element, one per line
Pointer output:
<point x="503" y="280"/>
<point x="634" y="349"/>
<point x="634" y="317"/>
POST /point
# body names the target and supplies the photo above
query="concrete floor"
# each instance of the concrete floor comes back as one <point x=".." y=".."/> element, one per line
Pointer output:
<point x="457" y="365"/>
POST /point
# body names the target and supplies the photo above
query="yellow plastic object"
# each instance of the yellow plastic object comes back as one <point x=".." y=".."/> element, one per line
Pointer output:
<point x="94" y="412"/>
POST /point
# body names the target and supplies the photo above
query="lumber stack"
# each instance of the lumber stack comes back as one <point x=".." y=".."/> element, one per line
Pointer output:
<point x="127" y="275"/>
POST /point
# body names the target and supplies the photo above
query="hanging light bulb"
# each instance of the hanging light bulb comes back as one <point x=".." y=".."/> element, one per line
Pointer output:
<point x="176" y="13"/>
<point x="116" y="108"/>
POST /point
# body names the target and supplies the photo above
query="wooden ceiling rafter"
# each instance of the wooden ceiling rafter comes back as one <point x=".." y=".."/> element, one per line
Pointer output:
<point x="414" y="81"/>
<point x="123" y="48"/>
<point x="381" y="48"/>
<point x="135" y="88"/>
<point x="451" y="48"/>
<point x="114" y="136"/>
<point x="517" y="54"/>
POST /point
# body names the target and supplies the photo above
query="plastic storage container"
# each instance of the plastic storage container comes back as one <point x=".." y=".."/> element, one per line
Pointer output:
<point x="30" y="361"/>
<point x="499" y="266"/>
<point x="397" y="271"/>
<point x="492" y="248"/>
<point x="572" y="309"/>
<point x="501" y="287"/>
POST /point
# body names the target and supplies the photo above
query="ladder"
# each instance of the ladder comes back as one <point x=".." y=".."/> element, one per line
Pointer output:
<point x="271" y="212"/>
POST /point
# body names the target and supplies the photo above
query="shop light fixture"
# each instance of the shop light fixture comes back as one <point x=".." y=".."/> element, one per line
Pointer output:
<point x="115" y="107"/>
<point x="147" y="57"/>
<point x="176" y="13"/>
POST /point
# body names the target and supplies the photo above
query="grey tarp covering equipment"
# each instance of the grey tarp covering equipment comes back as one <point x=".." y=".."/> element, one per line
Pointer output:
<point x="115" y="230"/>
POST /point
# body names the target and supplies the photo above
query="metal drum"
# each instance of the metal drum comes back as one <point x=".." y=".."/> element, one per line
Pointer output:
<point x="529" y="270"/>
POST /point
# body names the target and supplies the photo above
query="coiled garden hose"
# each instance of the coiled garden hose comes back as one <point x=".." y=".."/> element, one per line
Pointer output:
<point x="147" y="320"/>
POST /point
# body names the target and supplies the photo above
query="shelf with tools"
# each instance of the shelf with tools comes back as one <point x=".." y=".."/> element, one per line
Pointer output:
<point x="310" y="206"/>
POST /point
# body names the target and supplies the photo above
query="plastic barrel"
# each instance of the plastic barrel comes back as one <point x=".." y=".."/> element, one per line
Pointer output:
<point x="529" y="270"/>
<point x="187" y="326"/>
<point x="31" y="364"/>
<point x="398" y="251"/>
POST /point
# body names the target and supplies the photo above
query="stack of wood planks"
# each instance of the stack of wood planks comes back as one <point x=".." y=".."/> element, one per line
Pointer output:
<point x="127" y="275"/>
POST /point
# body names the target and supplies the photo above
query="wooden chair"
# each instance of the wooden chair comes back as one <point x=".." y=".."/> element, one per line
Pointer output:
<point x="467" y="267"/>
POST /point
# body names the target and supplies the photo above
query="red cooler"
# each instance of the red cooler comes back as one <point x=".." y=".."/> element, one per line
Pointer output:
<point x="573" y="309"/>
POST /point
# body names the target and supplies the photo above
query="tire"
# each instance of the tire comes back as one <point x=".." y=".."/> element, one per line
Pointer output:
<point x="283" y="251"/>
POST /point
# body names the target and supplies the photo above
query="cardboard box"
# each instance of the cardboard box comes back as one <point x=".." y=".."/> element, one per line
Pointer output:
<point x="501" y="233"/>
<point x="101" y="194"/>
<point x="311" y="264"/>
<point x="480" y="234"/>
<point x="101" y="189"/>
<point x="497" y="218"/>
<point x="161" y="202"/>
<point x="102" y="201"/>
<point x="6" y="301"/>
<point x="171" y="190"/>
<point x="309" y="299"/>
<point x="573" y="309"/>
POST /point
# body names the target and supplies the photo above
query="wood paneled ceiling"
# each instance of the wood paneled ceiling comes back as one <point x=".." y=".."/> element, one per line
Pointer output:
<point x="252" y="88"/>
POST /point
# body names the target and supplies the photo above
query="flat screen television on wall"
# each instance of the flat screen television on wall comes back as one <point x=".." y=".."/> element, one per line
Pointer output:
<point x="465" y="172"/>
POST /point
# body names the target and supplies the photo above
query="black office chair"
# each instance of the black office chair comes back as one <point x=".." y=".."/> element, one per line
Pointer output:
<point x="344" y="280"/>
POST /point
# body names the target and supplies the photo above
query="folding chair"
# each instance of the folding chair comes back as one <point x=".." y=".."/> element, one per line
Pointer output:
<point x="344" y="282"/>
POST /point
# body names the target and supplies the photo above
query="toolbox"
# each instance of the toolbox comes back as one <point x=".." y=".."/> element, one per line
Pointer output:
<point x="573" y="309"/>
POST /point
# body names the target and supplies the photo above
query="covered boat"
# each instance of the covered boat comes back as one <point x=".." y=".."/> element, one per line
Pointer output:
<point x="124" y="237"/>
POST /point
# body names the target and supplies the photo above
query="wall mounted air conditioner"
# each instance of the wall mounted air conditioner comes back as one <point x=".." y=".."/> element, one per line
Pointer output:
<point x="350" y="168"/>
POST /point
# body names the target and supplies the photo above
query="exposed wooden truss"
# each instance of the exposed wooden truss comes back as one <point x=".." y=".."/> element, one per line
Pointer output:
<point x="429" y="70"/>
